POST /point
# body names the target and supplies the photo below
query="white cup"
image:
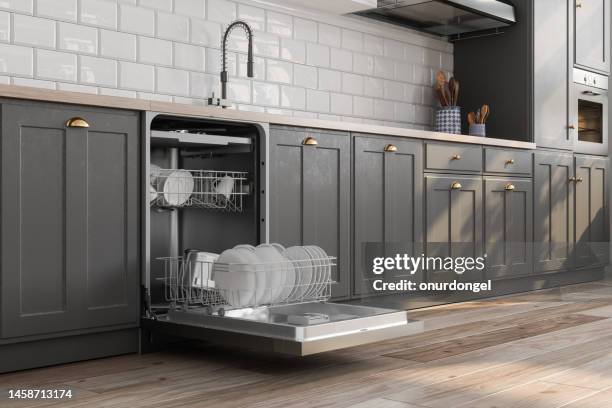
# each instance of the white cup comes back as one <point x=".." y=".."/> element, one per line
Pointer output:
<point x="201" y="270"/>
<point x="224" y="186"/>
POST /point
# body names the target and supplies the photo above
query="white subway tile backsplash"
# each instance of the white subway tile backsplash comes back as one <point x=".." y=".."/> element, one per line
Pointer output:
<point x="154" y="51"/>
<point x="265" y="94"/>
<point x="414" y="54"/>
<point x="191" y="8"/>
<point x="373" y="45"/>
<point x="384" y="68"/>
<point x="352" y="40"/>
<point x="266" y="45"/>
<point x="78" y="38"/>
<point x="433" y="58"/>
<point x="154" y="97"/>
<point x="341" y="104"/>
<point x="363" y="64"/>
<point x="293" y="97"/>
<point x="304" y="114"/>
<point x="60" y="9"/>
<point x="255" y="16"/>
<point x="304" y="29"/>
<point x="330" y="35"/>
<point x="137" y="20"/>
<point x="117" y="45"/>
<point x="35" y="83"/>
<point x="404" y="71"/>
<point x="189" y="57"/>
<point x="326" y="116"/>
<point x="259" y="67"/>
<point x="251" y="108"/>
<point x="341" y="59"/>
<point x="317" y="101"/>
<point x="413" y="94"/>
<point x="393" y="49"/>
<point x="317" y="54"/>
<point x="158" y="4"/>
<point x="404" y="112"/>
<point x="330" y="80"/>
<point x="221" y="11"/>
<point x="280" y="24"/>
<point x="293" y="50"/>
<point x="373" y="87"/>
<point x="5" y="79"/>
<point x="279" y="71"/>
<point x="98" y="71"/>
<point x="423" y="75"/>
<point x="423" y="115"/>
<point x="172" y="27"/>
<point x="172" y="81"/>
<point x="206" y="33"/>
<point x="117" y="92"/>
<point x="393" y="90"/>
<point x="101" y="13"/>
<point x="203" y="85"/>
<point x="62" y="86"/>
<point x="5" y="26"/>
<point x="352" y="83"/>
<point x="213" y="61"/>
<point x="33" y="31"/>
<point x="384" y="109"/>
<point x="16" y="60"/>
<point x="447" y="62"/>
<point x="24" y="6"/>
<point x="56" y="65"/>
<point x="304" y="75"/>
<point x="138" y="77"/>
<point x="239" y="90"/>
<point x="363" y="106"/>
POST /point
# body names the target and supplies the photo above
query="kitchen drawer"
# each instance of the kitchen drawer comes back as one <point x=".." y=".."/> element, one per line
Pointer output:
<point x="453" y="157"/>
<point x="508" y="161"/>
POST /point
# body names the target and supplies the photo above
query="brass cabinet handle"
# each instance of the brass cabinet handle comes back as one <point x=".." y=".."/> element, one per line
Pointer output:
<point x="456" y="157"/>
<point x="391" y="148"/>
<point x="579" y="179"/>
<point x="510" y="161"/>
<point x="572" y="179"/>
<point x="578" y="5"/>
<point x="572" y="127"/>
<point x="77" y="122"/>
<point x="456" y="185"/>
<point x="509" y="187"/>
<point x="310" y="141"/>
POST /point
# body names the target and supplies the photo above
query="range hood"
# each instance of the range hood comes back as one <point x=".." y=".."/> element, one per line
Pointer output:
<point x="445" y="17"/>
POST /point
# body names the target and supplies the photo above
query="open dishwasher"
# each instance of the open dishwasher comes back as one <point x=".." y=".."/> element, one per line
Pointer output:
<point x="204" y="194"/>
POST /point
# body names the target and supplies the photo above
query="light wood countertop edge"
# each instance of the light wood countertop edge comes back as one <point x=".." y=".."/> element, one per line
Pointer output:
<point x="47" y="95"/>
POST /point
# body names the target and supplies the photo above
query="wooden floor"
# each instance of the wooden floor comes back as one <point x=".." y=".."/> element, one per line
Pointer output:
<point x="551" y="348"/>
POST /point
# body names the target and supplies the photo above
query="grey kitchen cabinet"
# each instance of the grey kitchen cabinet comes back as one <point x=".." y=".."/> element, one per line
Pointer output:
<point x="508" y="228"/>
<point x="453" y="222"/>
<point x="309" y="194"/>
<point x="553" y="231"/>
<point x="591" y="217"/>
<point x="591" y="34"/>
<point x="388" y="195"/>
<point x="70" y="219"/>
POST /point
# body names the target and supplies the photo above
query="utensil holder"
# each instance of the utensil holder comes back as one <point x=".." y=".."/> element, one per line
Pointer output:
<point x="478" y="129"/>
<point x="448" y="120"/>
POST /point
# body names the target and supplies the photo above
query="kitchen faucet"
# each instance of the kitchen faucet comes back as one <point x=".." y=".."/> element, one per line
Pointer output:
<point x="224" y="77"/>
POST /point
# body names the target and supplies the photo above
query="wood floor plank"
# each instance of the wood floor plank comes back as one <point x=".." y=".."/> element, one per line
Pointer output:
<point x="601" y="399"/>
<point x="605" y="311"/>
<point x="474" y="342"/>
<point x="596" y="375"/>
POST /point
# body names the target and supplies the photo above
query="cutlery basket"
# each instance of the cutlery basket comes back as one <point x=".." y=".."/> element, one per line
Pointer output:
<point x="448" y="120"/>
<point x="193" y="283"/>
<point x="211" y="189"/>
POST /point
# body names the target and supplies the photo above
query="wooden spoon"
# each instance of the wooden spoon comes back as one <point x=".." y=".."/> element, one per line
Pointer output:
<point x="484" y="113"/>
<point x="451" y="91"/>
<point x="471" y="118"/>
<point x="456" y="92"/>
<point x="441" y="82"/>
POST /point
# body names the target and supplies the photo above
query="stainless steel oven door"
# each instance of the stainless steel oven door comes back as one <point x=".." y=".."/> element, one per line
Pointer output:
<point x="589" y="119"/>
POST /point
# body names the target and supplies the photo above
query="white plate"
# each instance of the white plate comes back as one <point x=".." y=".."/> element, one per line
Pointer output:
<point x="316" y="271"/>
<point x="276" y="269"/>
<point x="235" y="280"/>
<point x="303" y="268"/>
<point x="290" y="274"/>
<point x="325" y="271"/>
<point x="176" y="187"/>
<point x="253" y="262"/>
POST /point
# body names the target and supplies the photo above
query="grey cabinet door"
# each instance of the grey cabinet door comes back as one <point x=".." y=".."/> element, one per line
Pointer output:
<point x="70" y="255"/>
<point x="591" y="31"/>
<point x="453" y="222"/>
<point x="553" y="231"/>
<point x="551" y="74"/>
<point x="309" y="195"/>
<point x="388" y="194"/>
<point x="508" y="227"/>
<point x="592" y="224"/>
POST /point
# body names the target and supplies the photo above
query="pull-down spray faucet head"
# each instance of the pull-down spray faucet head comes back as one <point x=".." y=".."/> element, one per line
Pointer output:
<point x="249" y="34"/>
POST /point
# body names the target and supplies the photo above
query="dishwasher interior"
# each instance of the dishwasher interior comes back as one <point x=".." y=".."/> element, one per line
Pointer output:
<point x="205" y="187"/>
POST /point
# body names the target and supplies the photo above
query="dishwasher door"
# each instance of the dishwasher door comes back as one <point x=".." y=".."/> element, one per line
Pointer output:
<point x="270" y="328"/>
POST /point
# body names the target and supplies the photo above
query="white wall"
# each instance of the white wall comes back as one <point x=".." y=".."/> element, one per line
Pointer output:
<point x="307" y="63"/>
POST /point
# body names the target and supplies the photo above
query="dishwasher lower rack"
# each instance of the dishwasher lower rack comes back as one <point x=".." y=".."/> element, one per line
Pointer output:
<point x="221" y="287"/>
<point x="270" y="329"/>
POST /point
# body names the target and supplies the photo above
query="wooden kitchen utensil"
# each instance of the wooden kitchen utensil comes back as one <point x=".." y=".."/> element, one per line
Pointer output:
<point x="471" y="118"/>
<point x="484" y="113"/>
<point x="441" y="84"/>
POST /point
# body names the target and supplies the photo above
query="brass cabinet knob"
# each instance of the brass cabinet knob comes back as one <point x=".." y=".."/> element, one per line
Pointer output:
<point x="572" y="127"/>
<point x="456" y="185"/>
<point x="509" y="187"/>
<point x="579" y="179"/>
<point x="391" y="148"/>
<point x="572" y="179"/>
<point x="456" y="157"/>
<point x="310" y="141"/>
<point x="578" y="5"/>
<point x="77" y="122"/>
<point x="510" y="161"/>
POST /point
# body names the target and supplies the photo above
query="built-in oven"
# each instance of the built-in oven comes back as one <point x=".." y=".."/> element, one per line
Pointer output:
<point x="589" y="112"/>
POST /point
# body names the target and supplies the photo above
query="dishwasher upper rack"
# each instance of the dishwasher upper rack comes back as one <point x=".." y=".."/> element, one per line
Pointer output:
<point x="191" y="283"/>
<point x="209" y="189"/>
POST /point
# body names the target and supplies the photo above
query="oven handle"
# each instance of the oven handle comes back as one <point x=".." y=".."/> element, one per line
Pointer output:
<point x="591" y="93"/>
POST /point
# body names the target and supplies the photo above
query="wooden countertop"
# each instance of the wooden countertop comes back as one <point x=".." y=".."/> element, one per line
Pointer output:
<point x="23" y="92"/>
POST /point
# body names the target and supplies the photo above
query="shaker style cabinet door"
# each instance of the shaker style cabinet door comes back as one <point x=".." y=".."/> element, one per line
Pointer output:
<point x="592" y="223"/>
<point x="388" y="188"/>
<point x="453" y="222"/>
<point x="508" y="227"/>
<point x="553" y="231"/>
<point x="309" y="194"/>
<point x="70" y="253"/>
<point x="591" y="34"/>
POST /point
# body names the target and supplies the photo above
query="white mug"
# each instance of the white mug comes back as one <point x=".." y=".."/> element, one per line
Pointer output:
<point x="224" y="186"/>
<point x="201" y="270"/>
